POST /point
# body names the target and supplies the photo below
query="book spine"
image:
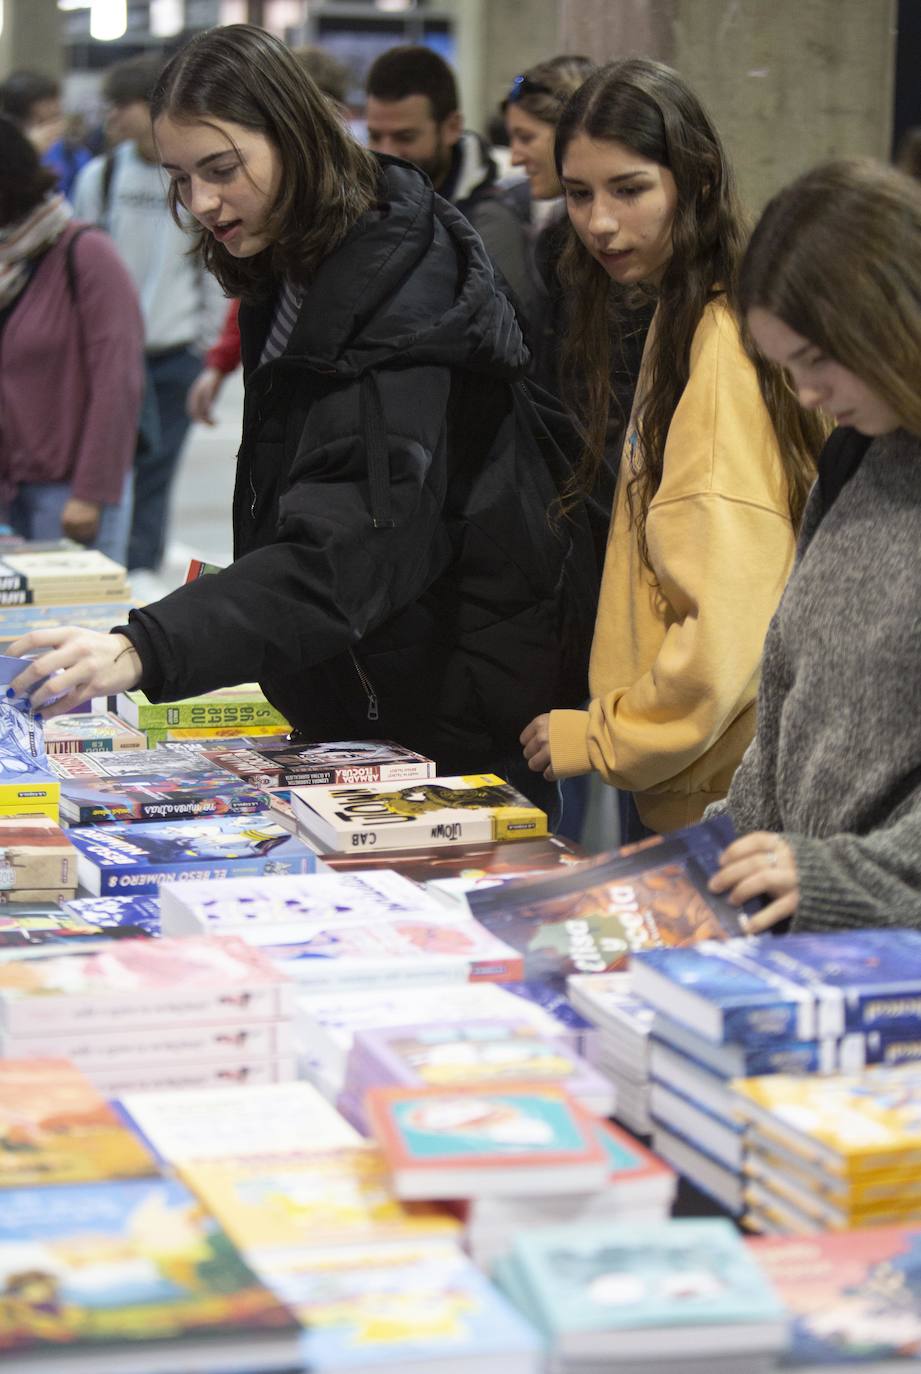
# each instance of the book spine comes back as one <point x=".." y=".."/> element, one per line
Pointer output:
<point x="108" y="1050"/>
<point x="168" y="1076"/>
<point x="897" y="1011"/>
<point x="347" y="774"/>
<point x="19" y="596"/>
<point x="411" y="833"/>
<point x="147" y="878"/>
<point x="199" y="715"/>
<point x="103" y="1010"/>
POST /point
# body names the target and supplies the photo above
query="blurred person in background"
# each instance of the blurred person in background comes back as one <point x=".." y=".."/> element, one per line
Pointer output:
<point x="182" y="305"/>
<point x="223" y="357"/>
<point x="413" y="112"/>
<point x="71" y="363"/>
<point x="908" y="154"/>
<point x="33" y="101"/>
<point x="717" y="462"/>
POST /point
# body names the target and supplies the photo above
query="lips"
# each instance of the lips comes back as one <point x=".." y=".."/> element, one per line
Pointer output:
<point x="223" y="230"/>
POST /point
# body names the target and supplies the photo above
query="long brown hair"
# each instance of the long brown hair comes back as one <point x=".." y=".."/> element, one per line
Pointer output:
<point x="650" y="109"/>
<point x="243" y="75"/>
<point x="837" y="257"/>
<point x="543" y="90"/>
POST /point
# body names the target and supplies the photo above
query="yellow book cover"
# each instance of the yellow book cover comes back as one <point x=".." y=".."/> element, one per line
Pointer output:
<point x="316" y="1199"/>
<point x="766" y="1159"/>
<point x="857" y="1122"/>
<point x="21" y="790"/>
<point x="48" y="807"/>
<point x="56" y="1128"/>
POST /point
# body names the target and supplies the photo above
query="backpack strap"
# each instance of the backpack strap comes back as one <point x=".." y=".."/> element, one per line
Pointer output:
<point x="69" y="265"/>
<point x="108" y="172"/>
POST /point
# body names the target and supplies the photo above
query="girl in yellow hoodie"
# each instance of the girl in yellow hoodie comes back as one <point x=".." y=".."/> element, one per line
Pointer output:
<point x="717" y="463"/>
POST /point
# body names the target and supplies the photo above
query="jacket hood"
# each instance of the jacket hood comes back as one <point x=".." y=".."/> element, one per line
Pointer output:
<point x="412" y="282"/>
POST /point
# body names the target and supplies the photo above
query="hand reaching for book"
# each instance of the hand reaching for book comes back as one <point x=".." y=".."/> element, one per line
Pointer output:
<point x="535" y="740"/>
<point x="71" y="665"/>
<point x="760" y="865"/>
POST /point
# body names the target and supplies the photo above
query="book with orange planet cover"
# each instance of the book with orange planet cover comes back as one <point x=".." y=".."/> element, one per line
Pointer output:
<point x="56" y="1128"/>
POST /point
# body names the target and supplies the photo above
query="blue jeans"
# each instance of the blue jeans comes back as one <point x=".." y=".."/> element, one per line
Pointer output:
<point x="163" y="427"/>
<point x="632" y="828"/>
<point x="36" y="510"/>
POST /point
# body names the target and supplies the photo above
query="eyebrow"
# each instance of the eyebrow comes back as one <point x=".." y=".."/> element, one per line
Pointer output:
<point x="202" y="161"/>
<point x="804" y="348"/>
<point x="611" y="181"/>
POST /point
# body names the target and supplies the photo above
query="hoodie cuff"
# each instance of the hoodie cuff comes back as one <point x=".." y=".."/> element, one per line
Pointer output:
<point x="569" y="743"/>
<point x="825" y="901"/>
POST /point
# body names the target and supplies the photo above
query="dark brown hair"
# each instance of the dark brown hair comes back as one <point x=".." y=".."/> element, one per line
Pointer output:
<point x="648" y="107"/>
<point x="24" y="182"/>
<point x="837" y="257"/>
<point x="414" y="70"/>
<point x="243" y="75"/>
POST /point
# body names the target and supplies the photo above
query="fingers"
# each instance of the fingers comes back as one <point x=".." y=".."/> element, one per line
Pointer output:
<point x="775" y="911"/>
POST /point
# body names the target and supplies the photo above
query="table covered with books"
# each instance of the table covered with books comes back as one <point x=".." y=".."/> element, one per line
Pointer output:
<point x="312" y="1058"/>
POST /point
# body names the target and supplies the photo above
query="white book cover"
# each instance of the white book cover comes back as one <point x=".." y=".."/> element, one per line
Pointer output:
<point x="433" y="811"/>
<point x="101" y="1049"/>
<point x="174" y="1075"/>
<point x="237" y="1122"/>
<point x="271" y="911"/>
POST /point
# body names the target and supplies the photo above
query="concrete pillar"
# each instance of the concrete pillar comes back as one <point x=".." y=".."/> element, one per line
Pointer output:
<point x="31" y="37"/>
<point x="515" y="36"/>
<point x="789" y="83"/>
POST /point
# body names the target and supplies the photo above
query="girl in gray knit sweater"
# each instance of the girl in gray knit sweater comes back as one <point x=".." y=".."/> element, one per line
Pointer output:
<point x="828" y="797"/>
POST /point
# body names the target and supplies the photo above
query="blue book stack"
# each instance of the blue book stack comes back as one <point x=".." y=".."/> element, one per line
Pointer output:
<point x="802" y="1004"/>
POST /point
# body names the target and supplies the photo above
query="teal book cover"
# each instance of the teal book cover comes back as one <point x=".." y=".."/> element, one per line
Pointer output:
<point x="611" y="1276"/>
<point x="481" y="1127"/>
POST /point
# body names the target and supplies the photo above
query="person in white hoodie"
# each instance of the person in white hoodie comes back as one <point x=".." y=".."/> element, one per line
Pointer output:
<point x="182" y="305"/>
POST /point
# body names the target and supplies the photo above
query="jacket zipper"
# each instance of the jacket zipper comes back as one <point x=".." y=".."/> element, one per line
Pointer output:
<point x="373" y="712"/>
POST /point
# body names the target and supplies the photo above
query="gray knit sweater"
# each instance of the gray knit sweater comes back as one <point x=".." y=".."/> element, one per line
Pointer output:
<point x="836" y="761"/>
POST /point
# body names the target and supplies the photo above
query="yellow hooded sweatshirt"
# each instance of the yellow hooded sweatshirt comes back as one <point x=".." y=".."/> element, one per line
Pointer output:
<point x="675" y="659"/>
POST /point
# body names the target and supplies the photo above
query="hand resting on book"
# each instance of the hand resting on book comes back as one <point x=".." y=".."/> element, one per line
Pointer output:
<point x="759" y="865"/>
<point x="78" y="664"/>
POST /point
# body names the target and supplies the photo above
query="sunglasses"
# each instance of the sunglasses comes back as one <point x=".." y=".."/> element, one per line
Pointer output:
<point x="522" y="86"/>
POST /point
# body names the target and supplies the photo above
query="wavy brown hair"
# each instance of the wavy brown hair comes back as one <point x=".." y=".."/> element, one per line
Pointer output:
<point x="650" y="109"/>
<point x="243" y="75"/>
<point x="837" y="257"/>
<point x="543" y="90"/>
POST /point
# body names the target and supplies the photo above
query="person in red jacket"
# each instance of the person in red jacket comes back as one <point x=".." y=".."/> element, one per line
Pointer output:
<point x="71" y="371"/>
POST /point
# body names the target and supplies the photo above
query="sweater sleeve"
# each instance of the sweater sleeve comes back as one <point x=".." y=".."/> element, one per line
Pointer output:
<point x="721" y="564"/>
<point x="849" y="881"/>
<point x="721" y="543"/>
<point x="113" y="337"/>
<point x="225" y="353"/>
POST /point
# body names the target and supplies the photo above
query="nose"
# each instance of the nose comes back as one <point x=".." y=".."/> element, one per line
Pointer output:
<point x="517" y="158"/>
<point x="810" y="396"/>
<point x="201" y="200"/>
<point x="380" y="143"/>
<point x="603" y="221"/>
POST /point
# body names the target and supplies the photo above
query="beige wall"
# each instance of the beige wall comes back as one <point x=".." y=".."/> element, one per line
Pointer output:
<point x="31" y="37"/>
<point x="789" y="82"/>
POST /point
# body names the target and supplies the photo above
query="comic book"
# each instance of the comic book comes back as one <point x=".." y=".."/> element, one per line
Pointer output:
<point x="55" y="1127"/>
<point x="439" y="811"/>
<point x="136" y="912"/>
<point x="589" y="917"/>
<point x="137" y="857"/>
<point x="336" y="763"/>
<point x="81" y="733"/>
<point x="16" y="621"/>
<point x="131" y="1275"/>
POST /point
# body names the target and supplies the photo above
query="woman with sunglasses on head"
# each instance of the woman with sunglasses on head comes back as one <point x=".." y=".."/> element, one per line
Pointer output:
<point x="716" y="466"/>
<point x="829" y="794"/>
<point x="394" y="575"/>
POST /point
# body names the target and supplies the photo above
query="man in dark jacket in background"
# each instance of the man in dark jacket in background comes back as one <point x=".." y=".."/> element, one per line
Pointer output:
<point x="412" y="112"/>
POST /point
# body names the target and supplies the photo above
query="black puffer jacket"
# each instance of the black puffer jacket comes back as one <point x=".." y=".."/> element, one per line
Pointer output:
<point x="390" y="577"/>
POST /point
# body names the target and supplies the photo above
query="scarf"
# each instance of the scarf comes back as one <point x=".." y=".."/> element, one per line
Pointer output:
<point x="28" y="238"/>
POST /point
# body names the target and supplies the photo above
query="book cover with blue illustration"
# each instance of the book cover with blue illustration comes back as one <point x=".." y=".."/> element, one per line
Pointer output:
<point x="113" y="913"/>
<point x="394" y="1306"/>
<point x="135" y="1270"/>
<point x="589" y="917"/>
<point x="615" y="1280"/>
<point x="803" y="987"/>
<point x="137" y="858"/>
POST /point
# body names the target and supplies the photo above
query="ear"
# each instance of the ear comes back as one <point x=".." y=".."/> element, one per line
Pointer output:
<point x="452" y="128"/>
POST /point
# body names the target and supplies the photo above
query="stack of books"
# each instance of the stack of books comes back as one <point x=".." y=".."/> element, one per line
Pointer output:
<point x="511" y="1141"/>
<point x="372" y="817"/>
<point x="624" y="1023"/>
<point x="37" y="861"/>
<point x="673" y="1295"/>
<point x="831" y="1154"/>
<point x="145" y="1014"/>
<point x="639" y="1189"/>
<point x="61" y="578"/>
<point x="444" y="1053"/>
<point x="804" y="1004"/>
<point x="129" y="857"/>
<point x="148" y="786"/>
<point x="853" y="1298"/>
<point x="106" y="1265"/>
<point x="352" y="930"/>
<point x="339" y="763"/>
<point x="329" y="1019"/>
<point x="231" y="711"/>
<point x="16" y="621"/>
<point x="83" y="733"/>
